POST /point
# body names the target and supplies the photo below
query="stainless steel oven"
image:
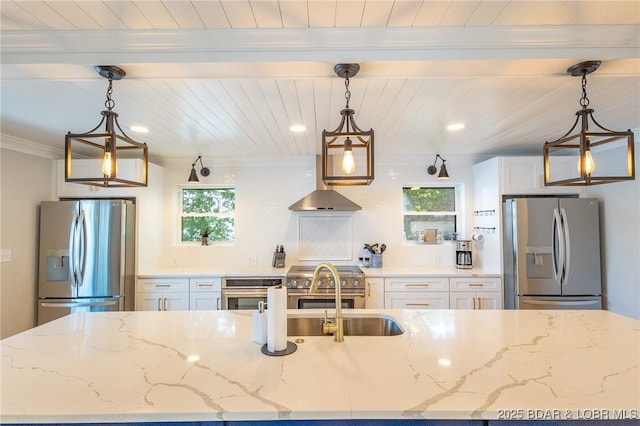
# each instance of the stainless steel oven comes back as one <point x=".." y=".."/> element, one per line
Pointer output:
<point x="245" y="292"/>
<point x="299" y="282"/>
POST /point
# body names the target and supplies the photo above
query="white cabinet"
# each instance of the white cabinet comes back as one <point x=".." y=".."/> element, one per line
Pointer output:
<point x="525" y="175"/>
<point x="162" y="294"/>
<point x="474" y="300"/>
<point x="475" y="293"/>
<point x="374" y="292"/>
<point x="416" y="293"/>
<point x="205" y="293"/>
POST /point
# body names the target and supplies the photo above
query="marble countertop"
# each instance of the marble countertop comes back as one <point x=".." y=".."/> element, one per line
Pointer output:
<point x="387" y="271"/>
<point x="426" y="271"/>
<point x="203" y="366"/>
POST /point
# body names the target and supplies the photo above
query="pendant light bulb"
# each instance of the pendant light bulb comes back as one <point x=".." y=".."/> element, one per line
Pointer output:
<point x="348" y="162"/>
<point x="106" y="164"/>
<point x="586" y="163"/>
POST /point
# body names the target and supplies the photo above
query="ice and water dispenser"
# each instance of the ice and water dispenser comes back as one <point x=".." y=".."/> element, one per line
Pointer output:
<point x="464" y="257"/>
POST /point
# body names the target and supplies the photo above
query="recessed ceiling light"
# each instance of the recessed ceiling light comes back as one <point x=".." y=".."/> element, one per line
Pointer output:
<point x="455" y="126"/>
<point x="139" y="129"/>
<point x="298" y="128"/>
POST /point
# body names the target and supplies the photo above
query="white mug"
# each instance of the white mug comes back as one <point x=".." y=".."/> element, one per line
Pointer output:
<point x="477" y="237"/>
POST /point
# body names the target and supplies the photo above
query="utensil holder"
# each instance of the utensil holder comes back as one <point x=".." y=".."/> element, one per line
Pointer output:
<point x="376" y="260"/>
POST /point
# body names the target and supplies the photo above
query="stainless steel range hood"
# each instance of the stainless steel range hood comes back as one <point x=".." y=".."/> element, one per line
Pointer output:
<point x="323" y="198"/>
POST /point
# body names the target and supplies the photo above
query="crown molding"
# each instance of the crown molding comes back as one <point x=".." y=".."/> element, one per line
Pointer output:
<point x="315" y="44"/>
<point x="25" y="146"/>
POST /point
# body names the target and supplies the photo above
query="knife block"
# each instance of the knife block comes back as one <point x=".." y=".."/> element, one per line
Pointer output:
<point x="278" y="259"/>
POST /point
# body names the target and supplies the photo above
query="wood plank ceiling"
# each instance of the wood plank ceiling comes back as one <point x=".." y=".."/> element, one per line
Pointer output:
<point x="229" y="78"/>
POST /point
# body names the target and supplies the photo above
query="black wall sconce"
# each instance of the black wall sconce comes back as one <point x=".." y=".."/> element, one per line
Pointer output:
<point x="443" y="169"/>
<point x="204" y="171"/>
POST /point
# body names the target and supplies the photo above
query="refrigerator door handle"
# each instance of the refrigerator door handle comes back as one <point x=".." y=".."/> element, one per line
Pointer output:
<point x="77" y="304"/>
<point x="82" y="246"/>
<point x="567" y="244"/>
<point x="73" y="264"/>
<point x="557" y="248"/>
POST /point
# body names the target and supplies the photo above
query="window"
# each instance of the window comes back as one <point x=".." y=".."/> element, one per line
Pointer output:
<point x="429" y="208"/>
<point x="202" y="208"/>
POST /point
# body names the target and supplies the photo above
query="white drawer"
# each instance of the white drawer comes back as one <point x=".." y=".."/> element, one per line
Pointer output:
<point x="417" y="300"/>
<point x="475" y="284"/>
<point x="163" y="284"/>
<point x="205" y="284"/>
<point x="417" y="284"/>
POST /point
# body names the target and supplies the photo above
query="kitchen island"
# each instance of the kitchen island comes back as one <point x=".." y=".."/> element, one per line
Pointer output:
<point x="199" y="366"/>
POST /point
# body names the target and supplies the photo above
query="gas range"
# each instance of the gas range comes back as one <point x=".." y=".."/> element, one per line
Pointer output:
<point x="351" y="277"/>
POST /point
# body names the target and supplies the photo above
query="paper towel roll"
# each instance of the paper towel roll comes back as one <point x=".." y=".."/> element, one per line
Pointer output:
<point x="259" y="327"/>
<point x="276" y="318"/>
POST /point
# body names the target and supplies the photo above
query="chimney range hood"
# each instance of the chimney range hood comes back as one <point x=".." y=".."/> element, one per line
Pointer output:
<point x="323" y="199"/>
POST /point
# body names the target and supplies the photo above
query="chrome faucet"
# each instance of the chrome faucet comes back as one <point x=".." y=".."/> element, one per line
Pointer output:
<point x="337" y="327"/>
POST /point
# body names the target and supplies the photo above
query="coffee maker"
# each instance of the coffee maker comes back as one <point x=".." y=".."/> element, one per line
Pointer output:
<point x="463" y="254"/>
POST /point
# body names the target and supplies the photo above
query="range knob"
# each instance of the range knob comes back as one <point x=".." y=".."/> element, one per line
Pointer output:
<point x="344" y="283"/>
<point x="356" y="283"/>
<point x="292" y="283"/>
<point x="307" y="283"/>
<point x="331" y="283"/>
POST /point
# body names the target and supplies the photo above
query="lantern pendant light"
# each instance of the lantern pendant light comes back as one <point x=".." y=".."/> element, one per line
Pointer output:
<point x="586" y="144"/>
<point x="349" y="144"/>
<point x="110" y="158"/>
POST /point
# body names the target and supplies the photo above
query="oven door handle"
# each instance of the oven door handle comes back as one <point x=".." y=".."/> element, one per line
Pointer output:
<point x="323" y="295"/>
<point x="252" y="293"/>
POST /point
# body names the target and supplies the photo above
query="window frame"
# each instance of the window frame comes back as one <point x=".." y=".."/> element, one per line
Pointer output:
<point x="457" y="213"/>
<point x="179" y="214"/>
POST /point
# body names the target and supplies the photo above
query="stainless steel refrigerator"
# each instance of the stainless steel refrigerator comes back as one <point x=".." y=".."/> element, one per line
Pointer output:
<point x="86" y="257"/>
<point x="552" y="253"/>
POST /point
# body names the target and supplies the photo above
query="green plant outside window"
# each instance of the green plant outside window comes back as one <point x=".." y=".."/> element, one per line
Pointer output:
<point x="208" y="209"/>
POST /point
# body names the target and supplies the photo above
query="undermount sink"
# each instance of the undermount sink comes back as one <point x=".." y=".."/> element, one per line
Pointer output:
<point x="353" y="326"/>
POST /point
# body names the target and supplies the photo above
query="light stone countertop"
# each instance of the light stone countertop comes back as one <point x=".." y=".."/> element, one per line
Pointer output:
<point x="268" y="271"/>
<point x="202" y="365"/>
<point x="429" y="271"/>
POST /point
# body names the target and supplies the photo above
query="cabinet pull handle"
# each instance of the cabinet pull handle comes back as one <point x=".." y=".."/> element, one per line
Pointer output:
<point x="474" y="303"/>
<point x="217" y="303"/>
<point x="417" y="304"/>
<point x="164" y="303"/>
<point x="476" y="285"/>
<point x="369" y="289"/>
<point x="417" y="284"/>
<point x="163" y="285"/>
<point x="159" y="307"/>
<point x="205" y="285"/>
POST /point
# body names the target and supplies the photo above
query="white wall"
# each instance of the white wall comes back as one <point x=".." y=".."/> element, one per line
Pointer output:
<point x="620" y="242"/>
<point x="266" y="187"/>
<point x="25" y="182"/>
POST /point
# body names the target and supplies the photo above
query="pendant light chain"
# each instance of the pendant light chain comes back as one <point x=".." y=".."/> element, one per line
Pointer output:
<point x="347" y="93"/>
<point x="110" y="103"/>
<point x="584" y="101"/>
